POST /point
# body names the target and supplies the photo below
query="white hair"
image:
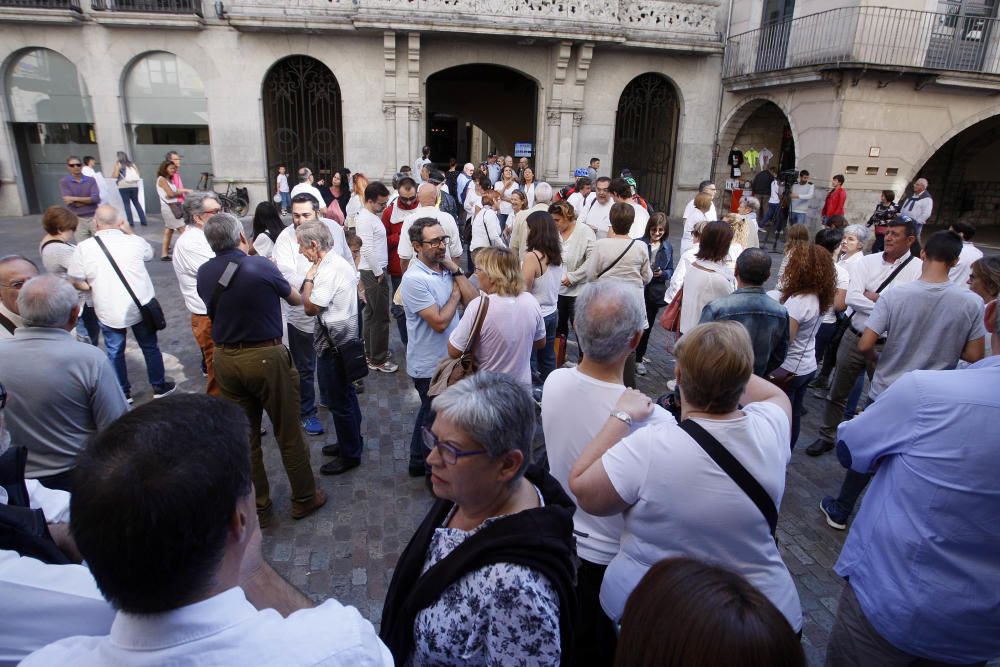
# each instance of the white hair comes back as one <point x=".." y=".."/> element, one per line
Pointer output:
<point x="317" y="231"/>
<point x="543" y="193"/>
<point x="609" y="313"/>
<point x="47" y="301"/>
<point x="860" y="231"/>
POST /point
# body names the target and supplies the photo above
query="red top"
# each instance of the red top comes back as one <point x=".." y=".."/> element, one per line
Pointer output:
<point x="392" y="238"/>
<point x="834" y="204"/>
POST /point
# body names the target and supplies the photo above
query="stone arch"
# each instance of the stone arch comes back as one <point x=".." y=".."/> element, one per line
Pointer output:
<point x="647" y="121"/>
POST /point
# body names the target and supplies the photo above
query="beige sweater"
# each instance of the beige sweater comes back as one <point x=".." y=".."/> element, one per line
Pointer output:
<point x="633" y="267"/>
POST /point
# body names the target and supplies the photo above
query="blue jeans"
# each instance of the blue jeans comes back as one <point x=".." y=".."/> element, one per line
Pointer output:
<point x="397" y="312"/>
<point x="114" y="344"/>
<point x="770" y="214"/>
<point x="343" y="404"/>
<point x="850" y="491"/>
<point x="88" y="325"/>
<point x="286" y="201"/>
<point x="543" y="361"/>
<point x="131" y="196"/>
<point x="300" y="344"/>
<point x="425" y="416"/>
<point x="796" y="391"/>
<point x="851" y="408"/>
<point x="797" y="218"/>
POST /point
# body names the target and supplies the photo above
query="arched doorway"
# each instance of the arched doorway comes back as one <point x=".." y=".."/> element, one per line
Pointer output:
<point x="166" y="110"/>
<point x="646" y="136"/>
<point x="51" y="118"/>
<point x="963" y="176"/>
<point x="759" y="136"/>
<point x="473" y="109"/>
<point x="302" y="118"/>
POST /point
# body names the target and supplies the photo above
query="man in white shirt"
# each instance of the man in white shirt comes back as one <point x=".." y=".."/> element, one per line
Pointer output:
<point x="424" y="159"/>
<point x="15" y="270"/>
<point x="300" y="327"/>
<point x="375" y="278"/>
<point x="192" y="583"/>
<point x="519" y="230"/>
<point x="708" y="187"/>
<point x="597" y="213"/>
<point x="919" y="205"/>
<point x="493" y="168"/>
<point x="305" y="184"/>
<point x="867" y="277"/>
<point x="576" y="402"/>
<point x="426" y="198"/>
<point x="190" y="252"/>
<point x="621" y="191"/>
<point x="584" y="186"/>
<point x="960" y="273"/>
<point x="802" y="194"/>
<point x="90" y="269"/>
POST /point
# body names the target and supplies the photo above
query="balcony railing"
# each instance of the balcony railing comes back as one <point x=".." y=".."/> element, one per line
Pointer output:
<point x="42" y="4"/>
<point x="869" y="36"/>
<point x="148" y="6"/>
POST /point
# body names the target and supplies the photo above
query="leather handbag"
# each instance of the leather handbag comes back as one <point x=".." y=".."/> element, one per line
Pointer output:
<point x="671" y="317"/>
<point x="351" y="354"/>
<point x="450" y="371"/>
<point x="151" y="312"/>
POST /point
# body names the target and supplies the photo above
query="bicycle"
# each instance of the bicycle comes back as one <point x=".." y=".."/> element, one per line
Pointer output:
<point x="234" y="200"/>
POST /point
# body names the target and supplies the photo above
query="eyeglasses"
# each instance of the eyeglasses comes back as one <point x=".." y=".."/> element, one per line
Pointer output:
<point x="210" y="211"/>
<point x="448" y="451"/>
<point x="15" y="284"/>
<point x="438" y="242"/>
<point x="73" y="164"/>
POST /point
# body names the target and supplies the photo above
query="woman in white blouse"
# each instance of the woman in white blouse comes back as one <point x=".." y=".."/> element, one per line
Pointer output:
<point x="577" y="241"/>
<point x="708" y="278"/>
<point x="506" y="186"/>
<point x="675" y="499"/>
<point x="528" y="185"/>
<point x="359" y="182"/>
<point x="486" y="226"/>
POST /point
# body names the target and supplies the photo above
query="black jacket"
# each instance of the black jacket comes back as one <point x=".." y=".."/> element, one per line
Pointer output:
<point x="540" y="538"/>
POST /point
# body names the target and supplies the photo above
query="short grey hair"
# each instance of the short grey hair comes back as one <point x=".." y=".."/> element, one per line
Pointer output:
<point x="608" y="314"/>
<point x="543" y="193"/>
<point x="752" y="203"/>
<point x="222" y="231"/>
<point x="861" y="231"/>
<point x="317" y="231"/>
<point x="47" y="301"/>
<point x="494" y="410"/>
<point x="194" y="204"/>
<point x="106" y="215"/>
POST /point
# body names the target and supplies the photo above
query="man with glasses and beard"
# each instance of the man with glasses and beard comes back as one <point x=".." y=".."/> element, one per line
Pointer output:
<point x="432" y="288"/>
<point x="82" y="196"/>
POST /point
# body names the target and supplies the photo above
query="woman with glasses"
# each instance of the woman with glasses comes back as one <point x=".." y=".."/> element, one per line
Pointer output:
<point x="513" y="325"/>
<point x="487" y="579"/>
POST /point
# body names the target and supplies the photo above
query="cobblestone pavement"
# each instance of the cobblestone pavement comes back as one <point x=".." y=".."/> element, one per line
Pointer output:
<point x="348" y="549"/>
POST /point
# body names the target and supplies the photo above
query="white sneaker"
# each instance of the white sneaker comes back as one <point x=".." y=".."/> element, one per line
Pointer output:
<point x="671" y="385"/>
<point x="640" y="368"/>
<point x="387" y="367"/>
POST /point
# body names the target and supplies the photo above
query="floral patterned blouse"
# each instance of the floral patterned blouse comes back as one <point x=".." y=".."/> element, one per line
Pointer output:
<point x="499" y="615"/>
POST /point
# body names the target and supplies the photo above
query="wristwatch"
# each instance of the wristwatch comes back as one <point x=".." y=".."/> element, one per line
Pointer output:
<point x="458" y="272"/>
<point x="622" y="415"/>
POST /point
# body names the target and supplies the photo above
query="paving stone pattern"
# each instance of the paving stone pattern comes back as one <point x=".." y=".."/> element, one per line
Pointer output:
<point x="348" y="549"/>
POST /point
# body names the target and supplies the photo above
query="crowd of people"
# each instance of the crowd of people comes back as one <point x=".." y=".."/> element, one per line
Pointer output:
<point x="645" y="531"/>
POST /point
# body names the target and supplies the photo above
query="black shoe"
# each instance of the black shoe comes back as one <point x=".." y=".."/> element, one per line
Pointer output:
<point x="417" y="471"/>
<point x="821" y="382"/>
<point x="819" y="447"/>
<point x="359" y="386"/>
<point x="339" y="465"/>
<point x="331" y="450"/>
<point x="165" y="389"/>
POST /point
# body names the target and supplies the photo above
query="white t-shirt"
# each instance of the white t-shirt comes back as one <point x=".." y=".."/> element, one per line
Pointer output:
<point x="638" y="228"/>
<point x="598" y="217"/>
<point x="335" y="291"/>
<point x="801" y="356"/>
<point x="574" y="408"/>
<point x="959" y="274"/>
<point x="505" y="206"/>
<point x="691" y="220"/>
<point x="263" y="245"/>
<point x="283" y="183"/>
<point x="684" y="504"/>
<point x="575" y="200"/>
<point x="689" y="210"/>
<point x="112" y="303"/>
<point x="473" y="200"/>
<point x="294" y="266"/>
<point x="486" y="230"/>
<point x="843" y="282"/>
<point x="374" y="243"/>
<point x="190" y="252"/>
<point x="405" y="250"/>
<point x="511" y="327"/>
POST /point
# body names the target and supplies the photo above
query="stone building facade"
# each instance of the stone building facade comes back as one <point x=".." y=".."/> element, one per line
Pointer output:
<point x="240" y="86"/>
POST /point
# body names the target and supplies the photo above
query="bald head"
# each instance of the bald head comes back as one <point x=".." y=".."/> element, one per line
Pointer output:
<point x="106" y="217"/>
<point x="15" y="271"/>
<point x="48" y="301"/>
<point x="427" y="194"/>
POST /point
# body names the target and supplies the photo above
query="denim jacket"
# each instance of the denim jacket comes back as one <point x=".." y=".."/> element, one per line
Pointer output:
<point x="764" y="318"/>
<point x="664" y="261"/>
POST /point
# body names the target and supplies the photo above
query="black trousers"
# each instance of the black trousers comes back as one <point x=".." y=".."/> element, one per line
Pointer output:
<point x="596" y="639"/>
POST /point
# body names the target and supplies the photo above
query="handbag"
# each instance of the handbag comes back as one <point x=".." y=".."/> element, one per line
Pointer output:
<point x="351" y="353"/>
<point x="176" y="209"/>
<point x="276" y="198"/>
<point x="450" y="371"/>
<point x="151" y="312"/>
<point x="671" y="317"/>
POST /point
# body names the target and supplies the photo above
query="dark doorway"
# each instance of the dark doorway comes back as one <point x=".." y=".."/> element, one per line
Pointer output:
<point x="499" y="101"/>
<point x="302" y="120"/>
<point x="646" y="136"/>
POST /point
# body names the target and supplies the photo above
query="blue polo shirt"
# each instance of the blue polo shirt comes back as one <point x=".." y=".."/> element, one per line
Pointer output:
<point x="249" y="310"/>
<point x="423" y="288"/>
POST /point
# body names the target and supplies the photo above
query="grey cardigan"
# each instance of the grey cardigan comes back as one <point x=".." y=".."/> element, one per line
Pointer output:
<point x="576" y="252"/>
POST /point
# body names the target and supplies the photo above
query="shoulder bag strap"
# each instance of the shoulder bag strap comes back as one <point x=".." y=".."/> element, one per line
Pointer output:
<point x="735" y="470"/>
<point x="121" y="276"/>
<point x="50" y="242"/>
<point x="618" y="259"/>
<point x="484" y="306"/>
<point x="7" y="323"/>
<point x="892" y="276"/>
<point x="224" y="280"/>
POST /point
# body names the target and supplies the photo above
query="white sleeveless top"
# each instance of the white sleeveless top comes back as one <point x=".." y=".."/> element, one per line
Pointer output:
<point x="546" y="288"/>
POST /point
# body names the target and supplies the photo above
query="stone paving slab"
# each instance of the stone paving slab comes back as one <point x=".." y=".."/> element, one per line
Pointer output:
<point x="348" y="549"/>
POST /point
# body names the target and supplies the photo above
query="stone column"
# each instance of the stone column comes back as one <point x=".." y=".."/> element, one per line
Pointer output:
<point x="389" y="104"/>
<point x="554" y="120"/>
